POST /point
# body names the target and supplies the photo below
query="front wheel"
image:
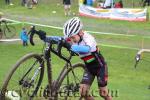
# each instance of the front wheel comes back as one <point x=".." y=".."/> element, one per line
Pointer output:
<point x="24" y="79"/>
<point x="68" y="86"/>
<point x="9" y="31"/>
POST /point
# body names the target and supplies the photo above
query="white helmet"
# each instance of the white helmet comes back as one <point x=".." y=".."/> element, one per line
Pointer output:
<point x="72" y="27"/>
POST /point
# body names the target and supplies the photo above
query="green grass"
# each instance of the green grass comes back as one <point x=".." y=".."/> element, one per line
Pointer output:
<point x="38" y="15"/>
<point x="131" y="84"/>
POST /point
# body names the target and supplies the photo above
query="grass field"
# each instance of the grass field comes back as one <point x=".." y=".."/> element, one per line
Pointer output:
<point x="118" y="50"/>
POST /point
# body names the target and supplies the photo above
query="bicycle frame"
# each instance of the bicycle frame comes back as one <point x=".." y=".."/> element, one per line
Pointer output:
<point x="52" y="87"/>
<point x="47" y="56"/>
<point x="34" y="79"/>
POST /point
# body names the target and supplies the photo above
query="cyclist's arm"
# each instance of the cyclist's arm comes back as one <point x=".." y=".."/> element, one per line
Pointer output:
<point x="81" y="49"/>
<point x="75" y="48"/>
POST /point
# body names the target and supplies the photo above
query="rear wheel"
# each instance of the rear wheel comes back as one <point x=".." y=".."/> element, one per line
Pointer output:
<point x="9" y="31"/>
<point x="24" y="79"/>
<point x="68" y="86"/>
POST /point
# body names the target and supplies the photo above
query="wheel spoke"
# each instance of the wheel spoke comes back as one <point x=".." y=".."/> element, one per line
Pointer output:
<point x="22" y="75"/>
<point x="70" y="84"/>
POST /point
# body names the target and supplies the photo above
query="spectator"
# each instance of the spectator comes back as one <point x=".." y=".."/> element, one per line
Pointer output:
<point x="31" y="3"/>
<point x="146" y="2"/>
<point x="24" y="37"/>
<point x="85" y="2"/>
<point x="89" y="2"/>
<point x="100" y="4"/>
<point x="8" y="2"/>
<point x="23" y="2"/>
<point x="118" y="4"/>
<point x="67" y="6"/>
<point x="108" y="4"/>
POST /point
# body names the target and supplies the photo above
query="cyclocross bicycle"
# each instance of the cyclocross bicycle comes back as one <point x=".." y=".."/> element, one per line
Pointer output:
<point x="6" y="30"/>
<point x="26" y="76"/>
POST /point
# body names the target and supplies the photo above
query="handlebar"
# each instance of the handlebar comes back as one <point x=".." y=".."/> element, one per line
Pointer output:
<point x="53" y="40"/>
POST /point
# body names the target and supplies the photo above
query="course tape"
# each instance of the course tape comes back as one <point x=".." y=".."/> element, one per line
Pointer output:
<point x="60" y="28"/>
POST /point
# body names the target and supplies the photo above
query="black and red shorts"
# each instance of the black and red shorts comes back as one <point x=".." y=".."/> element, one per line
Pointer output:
<point x="96" y="68"/>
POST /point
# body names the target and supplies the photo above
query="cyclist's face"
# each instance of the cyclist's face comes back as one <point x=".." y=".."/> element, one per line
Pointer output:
<point x="76" y="38"/>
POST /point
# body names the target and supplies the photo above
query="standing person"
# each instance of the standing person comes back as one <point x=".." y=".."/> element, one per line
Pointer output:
<point x="67" y="6"/>
<point x="8" y="2"/>
<point x="118" y="4"/>
<point x="146" y="2"/>
<point x="85" y="45"/>
<point x="23" y="2"/>
<point x="24" y="37"/>
<point x="108" y="4"/>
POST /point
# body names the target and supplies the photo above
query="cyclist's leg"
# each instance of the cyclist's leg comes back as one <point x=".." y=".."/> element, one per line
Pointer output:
<point x="103" y="91"/>
<point x="102" y="78"/>
<point x="86" y="82"/>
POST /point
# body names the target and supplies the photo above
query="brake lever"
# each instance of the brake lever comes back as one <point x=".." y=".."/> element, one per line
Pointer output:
<point x="32" y="32"/>
<point x="31" y="39"/>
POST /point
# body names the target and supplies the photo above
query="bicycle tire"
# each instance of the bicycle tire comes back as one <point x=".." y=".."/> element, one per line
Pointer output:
<point x="62" y="79"/>
<point x="9" y="31"/>
<point x="15" y="69"/>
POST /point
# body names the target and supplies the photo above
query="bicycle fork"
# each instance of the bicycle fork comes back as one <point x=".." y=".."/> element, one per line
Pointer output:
<point x="47" y="56"/>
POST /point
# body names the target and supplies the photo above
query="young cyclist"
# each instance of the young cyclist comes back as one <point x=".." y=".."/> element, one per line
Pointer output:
<point x="85" y="45"/>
